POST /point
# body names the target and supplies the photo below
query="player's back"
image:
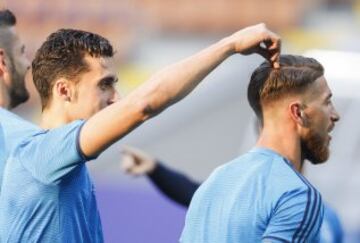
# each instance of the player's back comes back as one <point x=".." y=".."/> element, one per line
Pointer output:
<point x="256" y="197"/>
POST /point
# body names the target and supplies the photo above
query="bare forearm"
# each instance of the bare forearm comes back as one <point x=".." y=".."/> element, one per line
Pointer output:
<point x="164" y="89"/>
<point x="176" y="81"/>
<point x="171" y="85"/>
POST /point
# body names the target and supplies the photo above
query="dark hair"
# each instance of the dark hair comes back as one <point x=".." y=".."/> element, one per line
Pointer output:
<point x="62" y="56"/>
<point x="7" y="18"/>
<point x="293" y="76"/>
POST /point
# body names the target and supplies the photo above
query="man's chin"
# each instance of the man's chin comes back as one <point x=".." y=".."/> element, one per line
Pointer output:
<point x="318" y="158"/>
<point x="19" y="100"/>
<point x="317" y="162"/>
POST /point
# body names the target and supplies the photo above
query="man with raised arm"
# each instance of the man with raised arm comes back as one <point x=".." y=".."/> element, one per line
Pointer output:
<point x="47" y="193"/>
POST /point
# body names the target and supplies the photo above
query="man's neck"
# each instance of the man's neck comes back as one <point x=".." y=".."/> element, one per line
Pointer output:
<point x="283" y="141"/>
<point x="4" y="104"/>
<point x="52" y="118"/>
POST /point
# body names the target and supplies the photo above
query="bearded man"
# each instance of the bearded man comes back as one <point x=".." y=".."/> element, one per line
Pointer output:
<point x="262" y="196"/>
<point x="13" y="67"/>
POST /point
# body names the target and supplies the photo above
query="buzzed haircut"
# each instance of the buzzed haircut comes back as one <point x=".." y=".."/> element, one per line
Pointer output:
<point x="62" y="56"/>
<point x="267" y="84"/>
<point x="7" y="20"/>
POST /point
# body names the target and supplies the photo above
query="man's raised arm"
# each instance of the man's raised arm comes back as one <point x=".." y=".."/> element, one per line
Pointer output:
<point x="170" y="85"/>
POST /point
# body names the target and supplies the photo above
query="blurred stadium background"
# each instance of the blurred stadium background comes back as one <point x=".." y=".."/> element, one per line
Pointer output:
<point x="215" y="123"/>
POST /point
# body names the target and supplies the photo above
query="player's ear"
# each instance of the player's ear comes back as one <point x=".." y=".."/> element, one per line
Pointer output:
<point x="297" y="113"/>
<point x="4" y="68"/>
<point x="63" y="90"/>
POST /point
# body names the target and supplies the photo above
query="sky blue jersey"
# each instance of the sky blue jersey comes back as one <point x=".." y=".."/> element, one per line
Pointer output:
<point x="12" y="130"/>
<point x="258" y="197"/>
<point x="47" y="194"/>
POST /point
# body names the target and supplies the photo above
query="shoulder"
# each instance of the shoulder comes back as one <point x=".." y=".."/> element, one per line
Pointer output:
<point x="50" y="137"/>
<point x="299" y="205"/>
<point x="8" y="116"/>
<point x="50" y="155"/>
<point x="289" y="184"/>
<point x="13" y="123"/>
<point x="285" y="185"/>
<point x="14" y="128"/>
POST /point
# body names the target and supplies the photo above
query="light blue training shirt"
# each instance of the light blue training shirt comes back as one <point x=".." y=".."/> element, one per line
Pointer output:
<point x="258" y="197"/>
<point x="47" y="194"/>
<point x="12" y="130"/>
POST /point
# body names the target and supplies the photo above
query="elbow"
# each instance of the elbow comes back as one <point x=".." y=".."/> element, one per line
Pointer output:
<point x="149" y="111"/>
<point x="155" y="101"/>
<point x="152" y="107"/>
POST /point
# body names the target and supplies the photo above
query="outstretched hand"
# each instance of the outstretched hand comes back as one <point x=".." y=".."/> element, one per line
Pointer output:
<point x="136" y="162"/>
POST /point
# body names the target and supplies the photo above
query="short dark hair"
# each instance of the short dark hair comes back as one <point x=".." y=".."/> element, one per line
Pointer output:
<point x="62" y="56"/>
<point x="293" y="76"/>
<point x="7" y="18"/>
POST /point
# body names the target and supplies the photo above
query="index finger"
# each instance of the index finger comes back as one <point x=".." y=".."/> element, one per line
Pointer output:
<point x="272" y="41"/>
<point x="273" y="45"/>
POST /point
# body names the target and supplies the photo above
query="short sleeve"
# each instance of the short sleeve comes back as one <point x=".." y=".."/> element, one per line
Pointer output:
<point x="50" y="155"/>
<point x="297" y="217"/>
